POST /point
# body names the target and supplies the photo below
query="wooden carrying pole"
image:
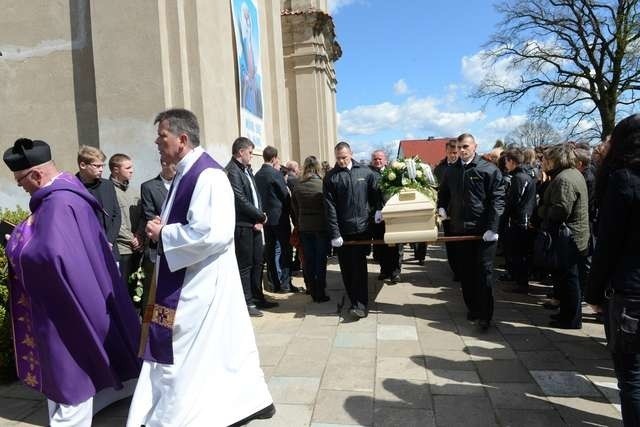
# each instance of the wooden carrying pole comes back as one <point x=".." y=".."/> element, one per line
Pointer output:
<point x="440" y="240"/>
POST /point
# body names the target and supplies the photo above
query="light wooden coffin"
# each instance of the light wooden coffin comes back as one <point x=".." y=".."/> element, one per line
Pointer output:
<point x="409" y="216"/>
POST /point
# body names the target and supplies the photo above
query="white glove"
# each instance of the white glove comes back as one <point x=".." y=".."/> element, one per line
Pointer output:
<point x="490" y="236"/>
<point x="337" y="242"/>
<point x="377" y="217"/>
<point x="443" y="213"/>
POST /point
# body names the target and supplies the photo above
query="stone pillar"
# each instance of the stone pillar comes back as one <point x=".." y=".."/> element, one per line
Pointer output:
<point x="310" y="49"/>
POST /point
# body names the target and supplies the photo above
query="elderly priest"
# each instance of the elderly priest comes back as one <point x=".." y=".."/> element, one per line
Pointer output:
<point x="74" y="326"/>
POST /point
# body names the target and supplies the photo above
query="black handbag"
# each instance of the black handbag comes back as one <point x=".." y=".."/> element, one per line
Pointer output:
<point x="623" y="321"/>
<point x="552" y="248"/>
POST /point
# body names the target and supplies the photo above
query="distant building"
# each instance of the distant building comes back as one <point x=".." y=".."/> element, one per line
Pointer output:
<point x="430" y="150"/>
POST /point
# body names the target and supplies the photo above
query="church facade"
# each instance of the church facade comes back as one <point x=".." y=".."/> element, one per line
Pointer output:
<point x="96" y="73"/>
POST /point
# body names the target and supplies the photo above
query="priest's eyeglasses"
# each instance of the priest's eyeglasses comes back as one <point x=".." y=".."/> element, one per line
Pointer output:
<point x="19" y="180"/>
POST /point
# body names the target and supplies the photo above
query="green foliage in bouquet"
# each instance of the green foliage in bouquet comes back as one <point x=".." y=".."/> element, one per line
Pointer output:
<point x="7" y="369"/>
<point x="136" y="286"/>
<point x="412" y="173"/>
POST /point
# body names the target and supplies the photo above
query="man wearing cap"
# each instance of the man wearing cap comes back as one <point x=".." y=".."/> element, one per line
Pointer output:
<point x="201" y="364"/>
<point x="75" y="332"/>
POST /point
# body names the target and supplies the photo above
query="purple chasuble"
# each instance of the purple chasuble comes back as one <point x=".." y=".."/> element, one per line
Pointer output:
<point x="74" y="326"/>
<point x="159" y="317"/>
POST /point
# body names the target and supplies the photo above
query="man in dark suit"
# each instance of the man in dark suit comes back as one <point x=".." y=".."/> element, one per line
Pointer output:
<point x="152" y="195"/>
<point x="250" y="220"/>
<point x="276" y="201"/>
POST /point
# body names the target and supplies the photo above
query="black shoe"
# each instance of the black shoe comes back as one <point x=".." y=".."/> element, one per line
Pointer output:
<point x="253" y="311"/>
<point x="395" y="278"/>
<point x="505" y="277"/>
<point x="551" y="306"/>
<point x="383" y="276"/>
<point x="323" y="298"/>
<point x="519" y="290"/>
<point x="290" y="290"/>
<point x="266" y="304"/>
<point x="262" y="414"/>
<point x="559" y="324"/>
<point x="555" y="316"/>
<point x="484" y="324"/>
<point x="455" y="278"/>
<point x="420" y="262"/>
<point x="359" y="311"/>
<point x="471" y="316"/>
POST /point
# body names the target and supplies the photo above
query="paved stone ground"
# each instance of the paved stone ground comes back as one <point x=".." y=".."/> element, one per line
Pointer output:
<point x="415" y="361"/>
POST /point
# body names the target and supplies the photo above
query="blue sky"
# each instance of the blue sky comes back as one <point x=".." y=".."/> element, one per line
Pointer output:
<point x="407" y="69"/>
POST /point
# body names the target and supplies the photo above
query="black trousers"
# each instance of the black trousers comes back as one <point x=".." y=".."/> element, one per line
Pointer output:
<point x="517" y="244"/>
<point x="450" y="248"/>
<point x="129" y="263"/>
<point x="249" y="255"/>
<point x="278" y="257"/>
<point x="388" y="257"/>
<point x="475" y="259"/>
<point x="353" y="267"/>
<point x="567" y="288"/>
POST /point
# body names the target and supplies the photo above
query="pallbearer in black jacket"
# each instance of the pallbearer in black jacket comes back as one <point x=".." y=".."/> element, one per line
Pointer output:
<point x="349" y="190"/>
<point x="471" y="197"/>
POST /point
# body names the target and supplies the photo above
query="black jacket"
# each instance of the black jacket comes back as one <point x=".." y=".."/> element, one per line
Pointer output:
<point x="274" y="195"/>
<point x="110" y="217"/>
<point x="349" y="195"/>
<point x="473" y="196"/>
<point x="616" y="260"/>
<point x="308" y="206"/>
<point x="152" y="195"/>
<point x="440" y="169"/>
<point x="520" y="201"/>
<point x="590" y="179"/>
<point x="247" y="215"/>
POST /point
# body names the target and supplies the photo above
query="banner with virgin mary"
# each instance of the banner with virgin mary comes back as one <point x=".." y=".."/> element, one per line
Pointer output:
<point x="247" y="35"/>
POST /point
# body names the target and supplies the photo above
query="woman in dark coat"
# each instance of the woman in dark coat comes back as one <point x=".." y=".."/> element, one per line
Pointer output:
<point x="614" y="285"/>
<point x="309" y="217"/>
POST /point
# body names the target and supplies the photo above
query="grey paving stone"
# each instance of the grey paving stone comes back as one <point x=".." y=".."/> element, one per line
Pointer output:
<point x="608" y="387"/>
<point x="287" y="416"/>
<point x="473" y="411"/>
<point x="394" y="392"/>
<point x="601" y="367"/>
<point x="397" y="318"/>
<point x="273" y="339"/>
<point x="280" y="326"/>
<point x="529" y="418"/>
<point x="545" y="360"/>
<point x="351" y="356"/>
<point x="292" y="365"/>
<point x="349" y="377"/>
<point x="588" y="349"/>
<point x="103" y="421"/>
<point x="579" y="411"/>
<point x="564" y="383"/>
<point x="317" y="331"/>
<point x="344" y="407"/>
<point x="456" y="360"/>
<point x="368" y="324"/>
<point x="17" y="390"/>
<point x="17" y="409"/>
<point x="355" y="339"/>
<point x="401" y="367"/>
<point x="450" y="382"/>
<point x="301" y="346"/>
<point x="397" y="332"/>
<point x="399" y="348"/>
<point x="515" y="328"/>
<point x="333" y="425"/>
<point x="270" y="355"/>
<point x="503" y="371"/>
<point x="488" y="350"/>
<point x="393" y="417"/>
<point x="295" y="390"/>
<point x="529" y="342"/>
<point x="441" y="341"/>
<point x="518" y="396"/>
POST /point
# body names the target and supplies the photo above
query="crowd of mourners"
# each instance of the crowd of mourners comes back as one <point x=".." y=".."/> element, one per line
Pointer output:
<point x="563" y="214"/>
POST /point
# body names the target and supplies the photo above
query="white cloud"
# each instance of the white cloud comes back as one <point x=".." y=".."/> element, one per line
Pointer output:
<point x="400" y="87"/>
<point x="415" y="115"/>
<point x="335" y="5"/>
<point x="507" y="123"/>
<point x="478" y="68"/>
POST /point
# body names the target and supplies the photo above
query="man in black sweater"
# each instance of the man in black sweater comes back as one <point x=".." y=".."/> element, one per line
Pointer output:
<point x="471" y="198"/>
<point x="350" y="189"/>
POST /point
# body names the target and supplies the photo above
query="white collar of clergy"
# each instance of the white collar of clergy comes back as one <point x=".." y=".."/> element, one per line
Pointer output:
<point x="187" y="161"/>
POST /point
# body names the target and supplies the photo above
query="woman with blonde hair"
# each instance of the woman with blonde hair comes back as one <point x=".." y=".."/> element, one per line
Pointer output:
<point x="310" y="219"/>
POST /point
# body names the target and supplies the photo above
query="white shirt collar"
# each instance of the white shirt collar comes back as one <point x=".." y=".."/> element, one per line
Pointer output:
<point x="187" y="161"/>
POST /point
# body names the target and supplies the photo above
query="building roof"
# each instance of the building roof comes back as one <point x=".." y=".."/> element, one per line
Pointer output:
<point x="430" y="150"/>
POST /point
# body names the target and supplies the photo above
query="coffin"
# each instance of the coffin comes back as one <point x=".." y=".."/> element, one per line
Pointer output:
<point x="410" y="216"/>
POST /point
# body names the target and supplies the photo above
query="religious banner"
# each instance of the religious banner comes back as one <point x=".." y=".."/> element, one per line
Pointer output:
<point x="247" y="34"/>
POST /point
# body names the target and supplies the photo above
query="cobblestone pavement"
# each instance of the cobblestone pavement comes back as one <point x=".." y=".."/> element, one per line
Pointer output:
<point x="414" y="361"/>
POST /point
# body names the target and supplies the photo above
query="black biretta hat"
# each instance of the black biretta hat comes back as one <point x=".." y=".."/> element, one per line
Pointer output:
<point x="26" y="153"/>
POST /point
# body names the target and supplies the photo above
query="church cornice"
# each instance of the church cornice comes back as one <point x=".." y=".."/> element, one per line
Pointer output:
<point x="322" y="23"/>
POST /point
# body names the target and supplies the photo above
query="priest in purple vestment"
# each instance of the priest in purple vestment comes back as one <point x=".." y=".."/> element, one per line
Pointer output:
<point x="75" y="329"/>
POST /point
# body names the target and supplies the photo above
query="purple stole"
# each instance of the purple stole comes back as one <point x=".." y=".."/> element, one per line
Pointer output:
<point x="26" y="349"/>
<point x="157" y="324"/>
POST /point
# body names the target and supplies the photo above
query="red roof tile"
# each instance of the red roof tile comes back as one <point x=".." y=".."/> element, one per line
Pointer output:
<point x="430" y="150"/>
